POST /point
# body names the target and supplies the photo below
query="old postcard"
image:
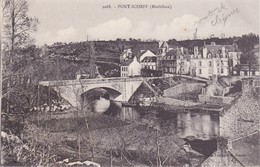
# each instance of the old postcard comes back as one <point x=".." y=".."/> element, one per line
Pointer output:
<point x="130" y="83"/>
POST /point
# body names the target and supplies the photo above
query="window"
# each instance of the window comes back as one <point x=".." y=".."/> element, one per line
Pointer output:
<point x="210" y="63"/>
<point x="200" y="63"/>
<point x="199" y="71"/>
<point x="222" y="70"/>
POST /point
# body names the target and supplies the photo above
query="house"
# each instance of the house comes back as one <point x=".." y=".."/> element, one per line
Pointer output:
<point x="214" y="92"/>
<point x="169" y="62"/>
<point x="183" y="63"/>
<point x="127" y="54"/>
<point x="247" y="70"/>
<point x="163" y="48"/>
<point x="149" y="63"/>
<point x="130" y="68"/>
<point x="214" y="60"/>
<point x="176" y="62"/>
<point x="149" y="67"/>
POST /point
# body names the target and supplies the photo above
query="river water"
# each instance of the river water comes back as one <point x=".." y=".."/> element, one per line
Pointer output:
<point x="185" y="123"/>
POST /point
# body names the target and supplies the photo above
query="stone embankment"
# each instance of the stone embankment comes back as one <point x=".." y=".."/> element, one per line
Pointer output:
<point x="242" y="118"/>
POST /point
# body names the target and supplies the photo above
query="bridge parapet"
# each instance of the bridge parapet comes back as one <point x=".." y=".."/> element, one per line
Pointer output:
<point x="88" y="81"/>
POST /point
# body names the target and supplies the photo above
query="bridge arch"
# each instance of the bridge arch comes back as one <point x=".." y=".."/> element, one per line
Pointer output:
<point x="95" y="93"/>
<point x="98" y="99"/>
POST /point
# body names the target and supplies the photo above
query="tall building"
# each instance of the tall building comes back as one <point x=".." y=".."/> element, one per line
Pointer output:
<point x="214" y="60"/>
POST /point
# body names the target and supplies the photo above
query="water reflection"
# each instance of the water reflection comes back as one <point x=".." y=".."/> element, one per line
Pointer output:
<point x="200" y="124"/>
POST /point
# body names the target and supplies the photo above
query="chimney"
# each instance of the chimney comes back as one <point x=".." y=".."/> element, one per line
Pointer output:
<point x="196" y="51"/>
<point x="223" y="51"/>
<point x="205" y="52"/>
<point x="182" y="50"/>
<point x="160" y="43"/>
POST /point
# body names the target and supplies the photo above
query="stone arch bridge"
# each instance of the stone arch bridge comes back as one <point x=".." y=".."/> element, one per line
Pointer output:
<point x="71" y="90"/>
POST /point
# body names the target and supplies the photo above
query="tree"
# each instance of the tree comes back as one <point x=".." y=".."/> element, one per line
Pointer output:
<point x="246" y="43"/>
<point x="17" y="25"/>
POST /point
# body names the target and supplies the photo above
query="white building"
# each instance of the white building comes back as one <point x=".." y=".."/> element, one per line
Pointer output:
<point x="130" y="68"/>
<point x="214" y="60"/>
<point x="149" y="63"/>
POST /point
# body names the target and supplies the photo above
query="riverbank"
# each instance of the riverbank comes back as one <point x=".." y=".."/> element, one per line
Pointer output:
<point x="175" y="104"/>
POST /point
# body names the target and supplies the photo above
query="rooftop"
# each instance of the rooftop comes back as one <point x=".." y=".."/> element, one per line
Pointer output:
<point x="127" y="62"/>
<point x="149" y="59"/>
<point x="217" y="49"/>
<point x="245" y="67"/>
<point x="246" y="149"/>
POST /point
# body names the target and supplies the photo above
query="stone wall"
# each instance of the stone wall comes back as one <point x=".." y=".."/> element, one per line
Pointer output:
<point x="183" y="88"/>
<point x="243" y="117"/>
<point x="215" y="99"/>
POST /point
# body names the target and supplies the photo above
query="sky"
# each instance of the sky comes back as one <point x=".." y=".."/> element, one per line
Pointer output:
<point x="79" y="20"/>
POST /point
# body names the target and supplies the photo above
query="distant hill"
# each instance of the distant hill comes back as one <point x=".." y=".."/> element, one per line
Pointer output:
<point x="104" y="50"/>
<point x="105" y="54"/>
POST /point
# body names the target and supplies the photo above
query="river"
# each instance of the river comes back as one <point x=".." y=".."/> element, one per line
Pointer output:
<point x="185" y="123"/>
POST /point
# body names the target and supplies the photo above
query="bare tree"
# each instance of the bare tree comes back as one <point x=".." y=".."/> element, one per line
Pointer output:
<point x="17" y="25"/>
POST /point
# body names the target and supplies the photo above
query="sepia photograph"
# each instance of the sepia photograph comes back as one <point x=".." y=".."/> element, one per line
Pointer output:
<point x="127" y="83"/>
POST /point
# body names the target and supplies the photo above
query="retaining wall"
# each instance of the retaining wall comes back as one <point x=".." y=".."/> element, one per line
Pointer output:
<point x="183" y="88"/>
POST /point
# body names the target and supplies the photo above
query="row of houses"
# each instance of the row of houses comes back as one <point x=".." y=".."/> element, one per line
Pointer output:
<point x="206" y="61"/>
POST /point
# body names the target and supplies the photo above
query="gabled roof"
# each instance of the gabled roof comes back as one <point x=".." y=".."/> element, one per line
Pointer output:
<point x="125" y="51"/>
<point x="164" y="45"/>
<point x="217" y="49"/>
<point x="221" y="157"/>
<point x="246" y="149"/>
<point x="127" y="62"/>
<point x="214" y="49"/>
<point x="148" y="53"/>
